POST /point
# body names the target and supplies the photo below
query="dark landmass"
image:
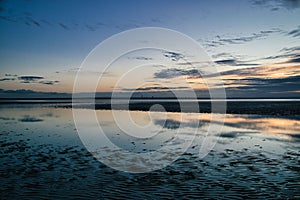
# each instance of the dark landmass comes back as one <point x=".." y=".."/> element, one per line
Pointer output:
<point x="251" y="107"/>
<point x="280" y="107"/>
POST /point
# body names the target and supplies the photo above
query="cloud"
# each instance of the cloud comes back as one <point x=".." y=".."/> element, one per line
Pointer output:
<point x="174" y="56"/>
<point x="189" y="63"/>
<point x="294" y="60"/>
<point x="291" y="49"/>
<point x="63" y="26"/>
<point x="234" y="62"/>
<point x="176" y="72"/>
<point x="28" y="79"/>
<point x="275" y="5"/>
<point x="288" y="82"/>
<point x="263" y="81"/>
<point x="141" y="58"/>
<point x="225" y="40"/>
<point x="36" y="79"/>
<point x="7" y="79"/>
<point x="289" y="54"/>
<point x="25" y="17"/>
<point x="295" y="32"/>
<point x="155" y="88"/>
<point x="31" y="94"/>
<point x="49" y="82"/>
<point x="13" y="75"/>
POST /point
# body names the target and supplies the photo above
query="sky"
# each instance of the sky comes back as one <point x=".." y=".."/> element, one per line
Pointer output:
<point x="255" y="44"/>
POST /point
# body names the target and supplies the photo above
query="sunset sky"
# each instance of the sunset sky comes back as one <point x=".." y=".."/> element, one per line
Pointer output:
<point x="255" y="44"/>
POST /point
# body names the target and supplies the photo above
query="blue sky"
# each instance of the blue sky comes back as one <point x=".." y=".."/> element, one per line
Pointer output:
<point x="50" y="39"/>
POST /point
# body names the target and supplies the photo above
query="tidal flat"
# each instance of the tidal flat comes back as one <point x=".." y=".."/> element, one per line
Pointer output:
<point x="42" y="156"/>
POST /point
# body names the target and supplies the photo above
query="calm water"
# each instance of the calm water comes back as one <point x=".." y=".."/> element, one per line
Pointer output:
<point x="42" y="156"/>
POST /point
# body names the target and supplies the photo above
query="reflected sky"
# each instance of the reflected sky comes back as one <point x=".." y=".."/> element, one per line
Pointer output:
<point x="163" y="126"/>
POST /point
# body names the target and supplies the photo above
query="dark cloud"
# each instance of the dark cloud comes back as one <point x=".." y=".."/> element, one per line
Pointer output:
<point x="176" y="72"/>
<point x="13" y="75"/>
<point x="271" y="81"/>
<point x="294" y="60"/>
<point x="265" y="86"/>
<point x="49" y="82"/>
<point x="7" y="79"/>
<point x="234" y="62"/>
<point x="174" y="56"/>
<point x="36" y="79"/>
<point x="29" y="79"/>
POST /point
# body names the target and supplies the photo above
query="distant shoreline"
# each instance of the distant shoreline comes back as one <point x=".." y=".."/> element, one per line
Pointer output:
<point x="262" y="108"/>
<point x="278" y="107"/>
<point x="154" y="98"/>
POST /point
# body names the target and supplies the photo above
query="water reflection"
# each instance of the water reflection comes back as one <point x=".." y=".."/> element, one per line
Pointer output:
<point x="234" y="125"/>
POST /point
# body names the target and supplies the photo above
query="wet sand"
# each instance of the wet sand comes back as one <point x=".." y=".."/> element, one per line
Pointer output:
<point x="67" y="172"/>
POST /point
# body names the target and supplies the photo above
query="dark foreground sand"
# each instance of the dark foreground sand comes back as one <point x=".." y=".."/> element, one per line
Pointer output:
<point x="52" y="172"/>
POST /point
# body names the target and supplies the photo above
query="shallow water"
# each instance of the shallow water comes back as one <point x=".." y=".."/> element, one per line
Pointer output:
<point x="42" y="156"/>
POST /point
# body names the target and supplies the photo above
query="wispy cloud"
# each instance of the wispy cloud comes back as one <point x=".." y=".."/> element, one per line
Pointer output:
<point x="11" y="75"/>
<point x="155" y="88"/>
<point x="176" y="72"/>
<point x="279" y="70"/>
<point x="49" y="82"/>
<point x="7" y="79"/>
<point x="25" y="17"/>
<point x="295" y="32"/>
<point x="174" y="56"/>
<point x="221" y="40"/>
<point x="234" y="62"/>
<point x="275" y="5"/>
<point x="140" y="58"/>
<point x="288" y="54"/>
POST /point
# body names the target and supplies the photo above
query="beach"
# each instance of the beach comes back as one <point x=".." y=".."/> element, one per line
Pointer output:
<point x="255" y="156"/>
